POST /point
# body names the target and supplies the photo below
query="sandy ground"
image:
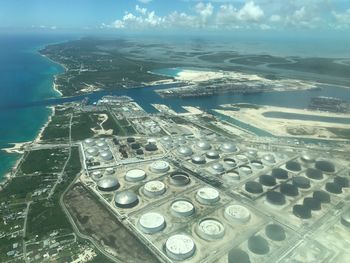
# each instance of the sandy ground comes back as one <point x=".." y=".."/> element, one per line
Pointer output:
<point x="102" y="118"/>
<point x="192" y="110"/>
<point x="163" y="108"/>
<point x="39" y="136"/>
<point x="264" y="109"/>
<point x="16" y="147"/>
<point x="55" y="88"/>
<point x="197" y="76"/>
<point x="160" y="82"/>
<point x="280" y="127"/>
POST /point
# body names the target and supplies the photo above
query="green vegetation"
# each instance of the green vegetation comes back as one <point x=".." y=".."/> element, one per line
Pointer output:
<point x="44" y="161"/>
<point x="219" y="57"/>
<point x="72" y="169"/>
<point x="57" y="129"/>
<point x="100" y="259"/>
<point x="178" y="120"/>
<point x="6" y="245"/>
<point x="208" y="118"/>
<point x="247" y="105"/>
<point x="340" y="133"/>
<point x="44" y="218"/>
<point x="21" y="187"/>
<point x="217" y="129"/>
<point x="82" y="124"/>
<point x="123" y="128"/>
<point x="104" y="65"/>
<point x="322" y="66"/>
<point x="47" y="216"/>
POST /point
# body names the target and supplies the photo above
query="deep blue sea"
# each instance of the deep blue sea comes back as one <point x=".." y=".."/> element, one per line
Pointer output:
<point x="25" y="76"/>
<point x="26" y="87"/>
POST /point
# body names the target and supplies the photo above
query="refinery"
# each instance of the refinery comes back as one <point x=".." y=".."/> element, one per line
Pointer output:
<point x="189" y="187"/>
<point x="249" y="202"/>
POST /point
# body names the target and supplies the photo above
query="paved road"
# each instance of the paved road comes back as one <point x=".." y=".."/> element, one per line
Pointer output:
<point x="25" y="231"/>
<point x="59" y="178"/>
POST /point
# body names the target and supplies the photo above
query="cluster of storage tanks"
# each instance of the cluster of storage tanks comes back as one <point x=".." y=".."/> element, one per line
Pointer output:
<point x="97" y="150"/>
<point x="227" y="162"/>
<point x="182" y="216"/>
<point x="102" y="151"/>
<point x="178" y="213"/>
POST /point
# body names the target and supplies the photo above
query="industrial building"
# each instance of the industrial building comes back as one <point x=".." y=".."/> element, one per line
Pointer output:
<point x="188" y="194"/>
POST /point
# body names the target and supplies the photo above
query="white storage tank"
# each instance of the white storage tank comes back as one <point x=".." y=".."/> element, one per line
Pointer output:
<point x="107" y="155"/>
<point x="237" y="214"/>
<point x="89" y="142"/>
<point x="185" y="151"/>
<point x="203" y="145"/>
<point x="126" y="199"/>
<point x="228" y="147"/>
<point x="151" y="223"/>
<point x="207" y="195"/>
<point x="108" y="184"/>
<point x="96" y="175"/>
<point x="109" y="171"/>
<point x="92" y="151"/>
<point x="154" y="188"/>
<point x="218" y="167"/>
<point x="182" y="208"/>
<point x="159" y="166"/>
<point x="180" y="247"/>
<point x="135" y="175"/>
<point x="210" y="229"/>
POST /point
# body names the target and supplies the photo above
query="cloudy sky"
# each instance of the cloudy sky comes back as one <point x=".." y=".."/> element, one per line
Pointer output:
<point x="177" y="15"/>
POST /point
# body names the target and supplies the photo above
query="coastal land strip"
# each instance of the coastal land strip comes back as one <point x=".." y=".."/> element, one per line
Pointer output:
<point x="314" y="126"/>
<point x="100" y="64"/>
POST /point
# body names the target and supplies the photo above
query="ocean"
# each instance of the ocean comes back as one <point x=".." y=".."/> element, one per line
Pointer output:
<point x="25" y="77"/>
<point x="26" y="88"/>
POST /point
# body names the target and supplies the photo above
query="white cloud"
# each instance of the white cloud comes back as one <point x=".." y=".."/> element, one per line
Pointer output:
<point x="141" y="10"/>
<point x="145" y="1"/>
<point x="342" y="19"/>
<point x="275" y="18"/>
<point x="205" y="11"/>
<point x="303" y="17"/>
<point x="232" y="14"/>
<point x="265" y="27"/>
<point x="143" y="19"/>
<point x="229" y="16"/>
<point x="251" y="12"/>
<point x="299" y="14"/>
<point x="226" y="15"/>
<point x="45" y="27"/>
<point x="181" y="20"/>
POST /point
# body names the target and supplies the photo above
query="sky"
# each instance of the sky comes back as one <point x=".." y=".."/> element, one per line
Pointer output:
<point x="177" y="15"/>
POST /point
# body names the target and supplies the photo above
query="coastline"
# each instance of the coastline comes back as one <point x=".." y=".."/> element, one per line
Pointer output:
<point x="40" y="133"/>
<point x="6" y="179"/>
<point x="18" y="147"/>
<point x="55" y="87"/>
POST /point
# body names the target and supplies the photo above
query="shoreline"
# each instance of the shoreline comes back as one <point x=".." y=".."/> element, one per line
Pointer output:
<point x="17" y="148"/>
<point x="54" y="85"/>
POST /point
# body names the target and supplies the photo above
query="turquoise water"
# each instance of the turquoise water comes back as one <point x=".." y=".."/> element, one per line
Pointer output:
<point x="304" y="117"/>
<point x="172" y="72"/>
<point x="26" y="89"/>
<point x="25" y="77"/>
